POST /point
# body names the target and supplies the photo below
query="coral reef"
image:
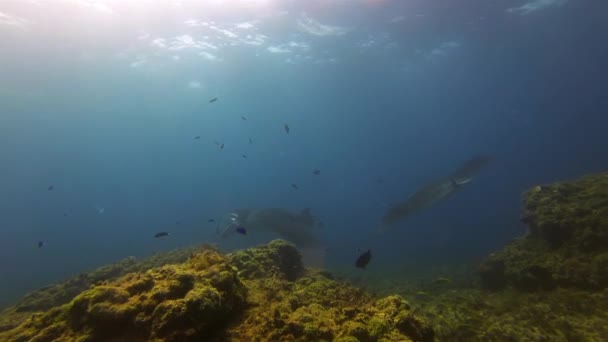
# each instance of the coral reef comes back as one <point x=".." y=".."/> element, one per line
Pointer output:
<point x="258" y="294"/>
<point x="567" y="244"/>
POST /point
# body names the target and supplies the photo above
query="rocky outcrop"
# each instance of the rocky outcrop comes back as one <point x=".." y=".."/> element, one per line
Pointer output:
<point x="258" y="294"/>
<point x="567" y="244"/>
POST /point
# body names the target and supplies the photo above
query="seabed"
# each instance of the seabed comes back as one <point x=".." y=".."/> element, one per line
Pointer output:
<point x="551" y="285"/>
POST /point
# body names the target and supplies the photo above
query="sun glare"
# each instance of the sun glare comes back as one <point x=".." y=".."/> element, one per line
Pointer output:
<point x="239" y="3"/>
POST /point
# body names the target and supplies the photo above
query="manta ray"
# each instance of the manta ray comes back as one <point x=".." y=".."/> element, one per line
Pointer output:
<point x="435" y="191"/>
<point x="299" y="228"/>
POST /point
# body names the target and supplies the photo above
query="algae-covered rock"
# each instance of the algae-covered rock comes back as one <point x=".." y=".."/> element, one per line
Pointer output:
<point x="63" y="292"/>
<point x="258" y="294"/>
<point x="278" y="258"/>
<point x="472" y="315"/>
<point x="180" y="302"/>
<point x="318" y="308"/>
<point x="567" y="244"/>
<point x="572" y="213"/>
<point x="492" y="274"/>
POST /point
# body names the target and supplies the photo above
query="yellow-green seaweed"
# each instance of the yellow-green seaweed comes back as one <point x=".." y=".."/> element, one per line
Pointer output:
<point x="258" y="294"/>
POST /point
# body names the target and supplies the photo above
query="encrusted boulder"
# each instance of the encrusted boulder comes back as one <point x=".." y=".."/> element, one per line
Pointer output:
<point x="278" y="258"/>
<point x="567" y="244"/>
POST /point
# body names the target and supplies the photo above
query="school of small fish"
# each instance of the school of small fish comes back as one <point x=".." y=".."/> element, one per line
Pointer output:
<point x="427" y="195"/>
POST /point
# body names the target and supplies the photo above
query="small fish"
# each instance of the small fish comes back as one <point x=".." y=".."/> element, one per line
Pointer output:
<point x="178" y="222"/>
<point x="294" y="186"/>
<point x="197" y="137"/>
<point x="243" y="118"/>
<point x="250" y="141"/>
<point x="65" y="214"/>
<point x="213" y="100"/>
<point x="222" y="146"/>
<point x="41" y="244"/>
<point x="364" y="259"/>
<point x="441" y="280"/>
<point x="286" y="127"/>
<point x="50" y="188"/>
<point x="161" y="234"/>
<point x="316" y="172"/>
<point x="380" y="180"/>
<point x="211" y="220"/>
<point x="244" y="156"/>
<point x="241" y="230"/>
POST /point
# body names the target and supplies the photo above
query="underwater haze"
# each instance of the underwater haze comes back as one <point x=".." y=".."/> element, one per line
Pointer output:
<point x="121" y="119"/>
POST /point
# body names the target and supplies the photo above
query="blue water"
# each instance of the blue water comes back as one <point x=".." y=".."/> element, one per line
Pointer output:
<point x="103" y="99"/>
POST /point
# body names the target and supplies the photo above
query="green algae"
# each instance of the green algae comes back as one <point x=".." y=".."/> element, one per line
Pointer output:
<point x="511" y="315"/>
<point x="259" y="294"/>
<point x="61" y="293"/>
<point x="175" y="302"/>
<point x="568" y="241"/>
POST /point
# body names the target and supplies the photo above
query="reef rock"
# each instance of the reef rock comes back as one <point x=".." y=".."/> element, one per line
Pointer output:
<point x="567" y="244"/>
<point x="258" y="294"/>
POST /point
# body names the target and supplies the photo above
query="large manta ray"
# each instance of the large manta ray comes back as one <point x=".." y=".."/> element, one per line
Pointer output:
<point x="298" y="228"/>
<point x="434" y="191"/>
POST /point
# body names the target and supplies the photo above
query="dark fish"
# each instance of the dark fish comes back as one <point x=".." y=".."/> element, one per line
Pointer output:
<point x="316" y="172"/>
<point x="250" y="141"/>
<point x="364" y="259"/>
<point x="197" y="137"/>
<point x="380" y="180"/>
<point x="222" y="146"/>
<point x="51" y="187"/>
<point x="41" y="244"/>
<point x="213" y="100"/>
<point x="161" y="234"/>
<point x="243" y="118"/>
<point x="244" y="156"/>
<point x="65" y="214"/>
<point x="241" y="230"/>
<point x="294" y="186"/>
<point x="178" y="222"/>
<point x="286" y="128"/>
<point x="217" y="143"/>
<point x="211" y="220"/>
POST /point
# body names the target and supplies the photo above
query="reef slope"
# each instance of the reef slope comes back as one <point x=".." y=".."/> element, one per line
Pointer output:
<point x="257" y="294"/>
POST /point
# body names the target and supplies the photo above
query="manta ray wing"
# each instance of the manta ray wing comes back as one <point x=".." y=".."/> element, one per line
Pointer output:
<point x="423" y="198"/>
